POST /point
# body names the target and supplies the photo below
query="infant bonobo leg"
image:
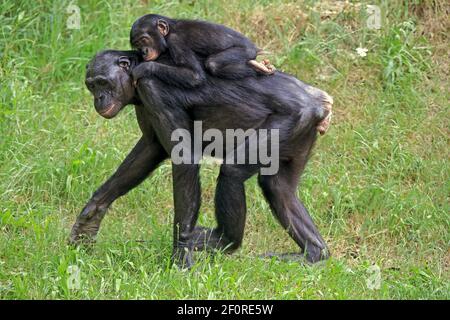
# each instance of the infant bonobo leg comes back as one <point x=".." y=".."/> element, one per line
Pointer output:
<point x="233" y="63"/>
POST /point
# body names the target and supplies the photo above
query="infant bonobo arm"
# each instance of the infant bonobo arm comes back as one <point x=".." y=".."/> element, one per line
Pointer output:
<point x="188" y="72"/>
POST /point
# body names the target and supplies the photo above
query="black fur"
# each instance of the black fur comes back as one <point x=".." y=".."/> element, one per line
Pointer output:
<point x="193" y="46"/>
<point x="283" y="102"/>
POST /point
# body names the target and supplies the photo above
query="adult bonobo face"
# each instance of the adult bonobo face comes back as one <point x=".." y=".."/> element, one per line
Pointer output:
<point x="108" y="79"/>
<point x="147" y="36"/>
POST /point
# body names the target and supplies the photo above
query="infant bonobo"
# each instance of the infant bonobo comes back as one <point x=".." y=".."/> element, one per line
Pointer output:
<point x="193" y="45"/>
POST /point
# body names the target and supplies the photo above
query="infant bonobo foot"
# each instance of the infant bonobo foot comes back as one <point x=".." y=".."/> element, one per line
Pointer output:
<point x="263" y="67"/>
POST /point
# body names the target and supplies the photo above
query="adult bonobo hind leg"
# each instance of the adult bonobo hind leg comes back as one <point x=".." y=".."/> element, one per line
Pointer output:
<point x="280" y="192"/>
<point x="141" y="161"/>
<point x="230" y="211"/>
<point x="230" y="192"/>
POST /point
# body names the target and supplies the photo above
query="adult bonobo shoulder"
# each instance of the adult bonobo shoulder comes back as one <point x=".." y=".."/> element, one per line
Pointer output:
<point x="108" y="79"/>
<point x="193" y="45"/>
<point x="282" y="103"/>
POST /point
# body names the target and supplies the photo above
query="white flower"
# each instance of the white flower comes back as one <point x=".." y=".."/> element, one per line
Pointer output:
<point x="362" y="52"/>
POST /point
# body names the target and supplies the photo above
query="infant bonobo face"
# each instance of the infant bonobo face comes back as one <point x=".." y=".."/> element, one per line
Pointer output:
<point x="147" y="36"/>
<point x="108" y="79"/>
<point x="146" y="46"/>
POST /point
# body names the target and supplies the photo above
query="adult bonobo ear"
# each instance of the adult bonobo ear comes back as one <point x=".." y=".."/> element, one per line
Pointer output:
<point x="163" y="27"/>
<point x="125" y="63"/>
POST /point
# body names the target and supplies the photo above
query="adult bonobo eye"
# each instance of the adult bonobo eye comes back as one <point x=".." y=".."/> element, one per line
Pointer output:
<point x="89" y="82"/>
<point x="102" y="82"/>
<point x="124" y="63"/>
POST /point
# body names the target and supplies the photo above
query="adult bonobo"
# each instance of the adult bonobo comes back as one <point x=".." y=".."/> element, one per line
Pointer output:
<point x="258" y="103"/>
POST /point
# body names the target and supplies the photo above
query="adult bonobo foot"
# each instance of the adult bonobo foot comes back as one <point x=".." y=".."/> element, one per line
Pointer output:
<point x="311" y="255"/>
<point x="88" y="223"/>
<point x="182" y="257"/>
<point x="210" y="240"/>
<point x="292" y="257"/>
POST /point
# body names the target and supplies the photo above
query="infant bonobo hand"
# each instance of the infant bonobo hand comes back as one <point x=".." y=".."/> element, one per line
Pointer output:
<point x="142" y="70"/>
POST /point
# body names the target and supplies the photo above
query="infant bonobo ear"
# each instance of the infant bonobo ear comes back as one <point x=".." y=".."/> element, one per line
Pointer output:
<point x="124" y="62"/>
<point x="163" y="27"/>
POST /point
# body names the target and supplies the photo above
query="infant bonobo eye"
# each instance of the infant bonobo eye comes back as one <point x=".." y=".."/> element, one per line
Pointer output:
<point x="124" y="63"/>
<point x="144" y="41"/>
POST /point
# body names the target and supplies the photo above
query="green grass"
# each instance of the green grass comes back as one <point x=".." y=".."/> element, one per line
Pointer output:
<point x="377" y="185"/>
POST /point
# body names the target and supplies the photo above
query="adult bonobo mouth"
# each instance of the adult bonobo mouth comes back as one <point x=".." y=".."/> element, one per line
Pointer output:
<point x="110" y="111"/>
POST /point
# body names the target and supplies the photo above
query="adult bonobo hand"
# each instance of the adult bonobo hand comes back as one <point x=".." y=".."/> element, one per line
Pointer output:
<point x="278" y="102"/>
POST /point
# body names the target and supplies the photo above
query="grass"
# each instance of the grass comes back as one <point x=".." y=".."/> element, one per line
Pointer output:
<point x="377" y="185"/>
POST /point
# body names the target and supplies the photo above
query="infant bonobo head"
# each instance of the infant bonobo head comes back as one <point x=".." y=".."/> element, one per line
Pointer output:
<point x="108" y="79"/>
<point x="147" y="36"/>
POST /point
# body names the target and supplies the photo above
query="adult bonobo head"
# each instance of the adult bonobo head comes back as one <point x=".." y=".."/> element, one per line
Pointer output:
<point x="148" y="35"/>
<point x="108" y="78"/>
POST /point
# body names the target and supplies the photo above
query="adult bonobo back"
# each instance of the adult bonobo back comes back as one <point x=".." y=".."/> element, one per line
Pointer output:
<point x="108" y="79"/>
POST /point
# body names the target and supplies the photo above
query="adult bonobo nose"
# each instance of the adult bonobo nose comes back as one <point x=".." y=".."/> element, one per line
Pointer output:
<point x="100" y="99"/>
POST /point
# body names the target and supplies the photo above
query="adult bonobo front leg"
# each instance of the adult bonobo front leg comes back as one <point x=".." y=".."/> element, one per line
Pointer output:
<point x="108" y="79"/>
<point x="141" y="161"/>
<point x="167" y="117"/>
